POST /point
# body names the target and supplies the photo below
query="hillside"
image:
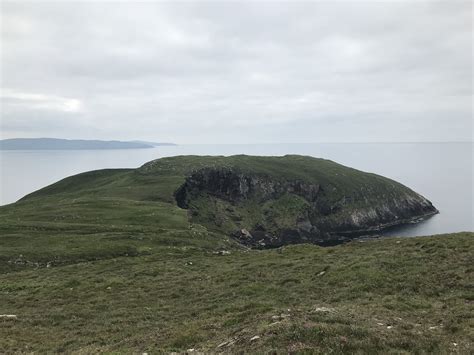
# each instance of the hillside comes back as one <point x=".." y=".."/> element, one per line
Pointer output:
<point x="107" y="261"/>
<point x="261" y="201"/>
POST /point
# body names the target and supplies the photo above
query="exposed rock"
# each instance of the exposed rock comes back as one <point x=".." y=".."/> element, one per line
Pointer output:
<point x="222" y="252"/>
<point x="274" y="323"/>
<point x="271" y="211"/>
<point x="223" y="344"/>
<point x="324" y="310"/>
<point x="245" y="234"/>
<point x="232" y="185"/>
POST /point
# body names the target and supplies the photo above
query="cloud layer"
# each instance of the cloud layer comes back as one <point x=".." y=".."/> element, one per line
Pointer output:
<point x="241" y="72"/>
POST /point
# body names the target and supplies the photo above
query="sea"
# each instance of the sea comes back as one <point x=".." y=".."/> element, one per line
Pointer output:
<point x="441" y="172"/>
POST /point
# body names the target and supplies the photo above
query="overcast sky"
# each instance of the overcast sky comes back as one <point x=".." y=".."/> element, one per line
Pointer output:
<point x="241" y="72"/>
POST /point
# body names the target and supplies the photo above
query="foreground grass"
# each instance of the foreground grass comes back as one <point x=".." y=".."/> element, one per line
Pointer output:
<point x="409" y="295"/>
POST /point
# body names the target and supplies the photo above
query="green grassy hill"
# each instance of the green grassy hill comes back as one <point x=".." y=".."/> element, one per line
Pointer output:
<point x="280" y="200"/>
<point x="106" y="261"/>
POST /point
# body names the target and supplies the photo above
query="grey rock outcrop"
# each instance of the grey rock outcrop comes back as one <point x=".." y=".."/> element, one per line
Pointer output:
<point x="322" y="219"/>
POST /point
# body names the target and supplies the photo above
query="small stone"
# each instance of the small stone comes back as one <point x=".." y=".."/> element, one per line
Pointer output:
<point x="389" y="327"/>
<point x="222" y="344"/>
<point x="455" y="344"/>
<point x="431" y="328"/>
<point x="324" y="309"/>
<point x="245" y="233"/>
<point x="321" y="273"/>
<point x="109" y="288"/>
<point x="256" y="337"/>
<point x="190" y="350"/>
<point x="222" y="252"/>
<point x="380" y="324"/>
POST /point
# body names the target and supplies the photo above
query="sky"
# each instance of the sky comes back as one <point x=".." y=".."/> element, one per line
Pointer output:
<point x="238" y="72"/>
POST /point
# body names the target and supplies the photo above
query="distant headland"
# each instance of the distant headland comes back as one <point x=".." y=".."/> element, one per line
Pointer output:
<point x="73" y="144"/>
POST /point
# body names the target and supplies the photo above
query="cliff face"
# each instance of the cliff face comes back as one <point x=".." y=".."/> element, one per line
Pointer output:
<point x="235" y="186"/>
<point x="267" y="211"/>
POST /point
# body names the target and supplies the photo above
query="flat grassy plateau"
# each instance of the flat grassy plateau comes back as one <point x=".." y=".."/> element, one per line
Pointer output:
<point x="106" y="262"/>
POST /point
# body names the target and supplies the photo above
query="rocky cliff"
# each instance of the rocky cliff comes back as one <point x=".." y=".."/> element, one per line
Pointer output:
<point x="262" y="210"/>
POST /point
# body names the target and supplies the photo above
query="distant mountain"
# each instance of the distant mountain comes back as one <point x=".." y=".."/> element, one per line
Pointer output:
<point x="70" y="144"/>
<point x="155" y="144"/>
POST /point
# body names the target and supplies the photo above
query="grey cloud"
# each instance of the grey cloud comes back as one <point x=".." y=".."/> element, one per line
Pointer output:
<point x="241" y="72"/>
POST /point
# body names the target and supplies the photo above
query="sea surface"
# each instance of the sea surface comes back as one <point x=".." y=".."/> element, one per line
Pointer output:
<point x="442" y="172"/>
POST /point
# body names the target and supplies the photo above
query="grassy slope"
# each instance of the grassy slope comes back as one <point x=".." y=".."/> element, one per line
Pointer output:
<point x="176" y="298"/>
<point x="128" y="272"/>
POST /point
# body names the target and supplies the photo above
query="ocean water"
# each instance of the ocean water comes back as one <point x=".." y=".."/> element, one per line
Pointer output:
<point x="442" y="172"/>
